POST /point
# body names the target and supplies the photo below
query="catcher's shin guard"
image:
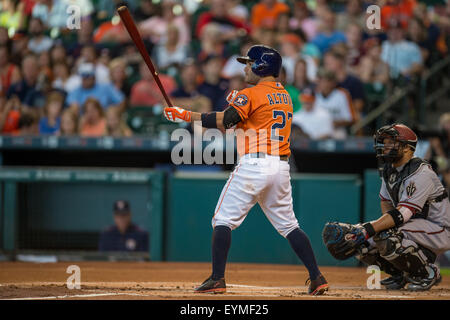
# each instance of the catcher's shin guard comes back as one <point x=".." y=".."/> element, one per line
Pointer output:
<point x="371" y="256"/>
<point x="405" y="255"/>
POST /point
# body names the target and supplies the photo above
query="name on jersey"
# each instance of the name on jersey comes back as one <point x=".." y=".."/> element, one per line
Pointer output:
<point x="279" y="98"/>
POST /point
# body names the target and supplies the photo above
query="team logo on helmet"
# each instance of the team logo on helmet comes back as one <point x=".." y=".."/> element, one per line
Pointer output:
<point x="241" y="100"/>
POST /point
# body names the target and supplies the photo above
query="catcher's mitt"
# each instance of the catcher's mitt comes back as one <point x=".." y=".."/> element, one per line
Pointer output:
<point x="339" y="239"/>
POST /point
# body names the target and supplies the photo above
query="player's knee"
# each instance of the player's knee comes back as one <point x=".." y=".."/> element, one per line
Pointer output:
<point x="284" y="231"/>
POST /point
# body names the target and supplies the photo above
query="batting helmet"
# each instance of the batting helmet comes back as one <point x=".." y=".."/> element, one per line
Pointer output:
<point x="400" y="134"/>
<point x="266" y="60"/>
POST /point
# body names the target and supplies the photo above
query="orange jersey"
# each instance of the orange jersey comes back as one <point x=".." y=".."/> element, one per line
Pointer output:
<point x="266" y="112"/>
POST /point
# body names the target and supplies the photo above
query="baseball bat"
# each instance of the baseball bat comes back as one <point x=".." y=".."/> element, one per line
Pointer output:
<point x="128" y="21"/>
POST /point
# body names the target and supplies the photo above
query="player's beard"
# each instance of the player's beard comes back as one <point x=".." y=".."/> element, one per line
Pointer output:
<point x="251" y="78"/>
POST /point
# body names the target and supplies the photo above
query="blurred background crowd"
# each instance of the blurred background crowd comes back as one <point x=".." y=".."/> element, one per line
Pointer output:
<point x="68" y="67"/>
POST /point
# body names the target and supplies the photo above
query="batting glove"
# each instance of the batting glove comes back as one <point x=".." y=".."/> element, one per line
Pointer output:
<point x="231" y="96"/>
<point x="177" y="114"/>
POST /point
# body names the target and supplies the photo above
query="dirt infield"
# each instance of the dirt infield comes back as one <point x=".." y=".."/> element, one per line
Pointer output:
<point x="159" y="280"/>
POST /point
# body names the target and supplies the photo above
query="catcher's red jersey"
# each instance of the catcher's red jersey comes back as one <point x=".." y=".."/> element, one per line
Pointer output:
<point x="266" y="113"/>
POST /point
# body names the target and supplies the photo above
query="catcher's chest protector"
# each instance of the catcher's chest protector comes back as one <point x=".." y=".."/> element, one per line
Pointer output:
<point x="394" y="179"/>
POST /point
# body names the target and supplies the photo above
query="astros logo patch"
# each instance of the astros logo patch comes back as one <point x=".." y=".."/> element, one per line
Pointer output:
<point x="241" y="100"/>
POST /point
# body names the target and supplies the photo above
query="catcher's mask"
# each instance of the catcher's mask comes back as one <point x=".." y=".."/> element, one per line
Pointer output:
<point x="399" y="136"/>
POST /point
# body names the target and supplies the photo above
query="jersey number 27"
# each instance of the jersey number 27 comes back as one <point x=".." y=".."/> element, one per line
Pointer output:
<point x="279" y="115"/>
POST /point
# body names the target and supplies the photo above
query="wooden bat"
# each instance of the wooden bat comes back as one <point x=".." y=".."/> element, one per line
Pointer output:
<point x="128" y="21"/>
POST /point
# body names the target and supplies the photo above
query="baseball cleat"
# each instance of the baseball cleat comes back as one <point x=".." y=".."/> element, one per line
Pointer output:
<point x="423" y="284"/>
<point x="396" y="282"/>
<point x="317" y="287"/>
<point x="212" y="286"/>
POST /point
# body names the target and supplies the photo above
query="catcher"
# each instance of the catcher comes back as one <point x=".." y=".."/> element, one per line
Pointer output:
<point x="415" y="223"/>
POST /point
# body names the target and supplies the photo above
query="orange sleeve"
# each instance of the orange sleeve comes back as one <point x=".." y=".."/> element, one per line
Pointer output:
<point x="242" y="104"/>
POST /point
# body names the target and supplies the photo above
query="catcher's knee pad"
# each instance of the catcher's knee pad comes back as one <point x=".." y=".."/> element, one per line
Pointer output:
<point x="403" y="254"/>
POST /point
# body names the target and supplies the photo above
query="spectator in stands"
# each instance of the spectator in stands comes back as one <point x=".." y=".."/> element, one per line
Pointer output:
<point x="106" y="93"/>
<point x="328" y="35"/>
<point x="106" y="9"/>
<point x="118" y="74"/>
<point x="45" y="71"/>
<point x="50" y="123"/>
<point x="19" y="47"/>
<point x="353" y="14"/>
<point x="440" y="149"/>
<point x="354" y="46"/>
<point x="155" y="28"/>
<point x="265" y="13"/>
<point x="124" y="235"/>
<point x="38" y="42"/>
<point x="12" y="15"/>
<point x="146" y="92"/>
<point x="172" y="52"/>
<point x="400" y="10"/>
<point x="403" y="57"/>
<point x="230" y="28"/>
<point x="10" y="111"/>
<point x="144" y="10"/>
<point x="303" y="20"/>
<point x="28" y="90"/>
<point x="54" y="12"/>
<point x="373" y="71"/>
<point x="28" y="124"/>
<point x="315" y="122"/>
<point x="84" y="37"/>
<point x="418" y="33"/>
<point x="112" y="30"/>
<point x="69" y="123"/>
<point x="92" y="122"/>
<point x="89" y="55"/>
<point x="215" y="87"/>
<point x="211" y="42"/>
<point x="294" y="93"/>
<point x="58" y="53"/>
<point x="187" y="93"/>
<point x="62" y="79"/>
<point x="300" y="84"/>
<point x="237" y="10"/>
<point x="9" y="72"/>
<point x="336" y="101"/>
<point x="266" y="36"/>
<point x="115" y="124"/>
<point x="291" y="47"/>
<point x="336" y="63"/>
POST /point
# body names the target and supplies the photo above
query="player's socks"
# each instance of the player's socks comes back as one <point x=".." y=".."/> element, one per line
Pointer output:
<point x="221" y="241"/>
<point x="299" y="241"/>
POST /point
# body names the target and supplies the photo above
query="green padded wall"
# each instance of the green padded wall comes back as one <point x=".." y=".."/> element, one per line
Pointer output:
<point x="317" y="199"/>
<point x="372" y="185"/>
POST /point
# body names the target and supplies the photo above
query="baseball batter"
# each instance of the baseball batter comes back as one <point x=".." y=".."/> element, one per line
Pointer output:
<point x="415" y="224"/>
<point x="263" y="115"/>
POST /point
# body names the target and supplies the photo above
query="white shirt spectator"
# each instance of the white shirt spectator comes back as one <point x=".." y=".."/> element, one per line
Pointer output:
<point x="233" y="68"/>
<point x="164" y="59"/>
<point x="316" y="123"/>
<point x="57" y="16"/>
<point x="400" y="56"/>
<point x="41" y="45"/>
<point x="289" y="64"/>
<point x="339" y="105"/>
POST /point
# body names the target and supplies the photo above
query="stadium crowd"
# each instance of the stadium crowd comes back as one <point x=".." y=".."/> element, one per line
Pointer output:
<point x="68" y="67"/>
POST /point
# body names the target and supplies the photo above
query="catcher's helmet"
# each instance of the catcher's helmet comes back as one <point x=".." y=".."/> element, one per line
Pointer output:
<point x="400" y="134"/>
<point x="266" y="60"/>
